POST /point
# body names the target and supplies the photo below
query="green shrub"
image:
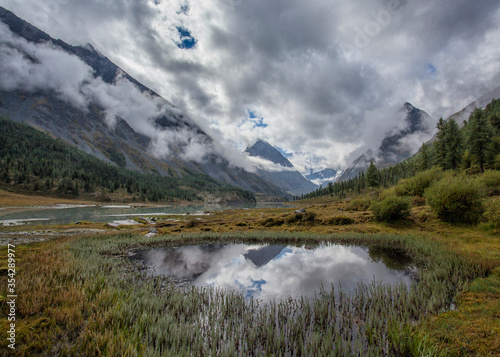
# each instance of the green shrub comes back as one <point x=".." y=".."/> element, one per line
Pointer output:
<point x="272" y="222"/>
<point x="307" y="217"/>
<point x="490" y="180"/>
<point x="341" y="221"/>
<point x="296" y="217"/>
<point x="492" y="213"/>
<point x="391" y="208"/>
<point x="416" y="185"/>
<point x="359" y="204"/>
<point x="192" y="223"/>
<point x="456" y="199"/>
<point x="417" y="201"/>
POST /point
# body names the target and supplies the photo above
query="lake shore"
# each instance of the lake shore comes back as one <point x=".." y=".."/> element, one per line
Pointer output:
<point x="474" y="321"/>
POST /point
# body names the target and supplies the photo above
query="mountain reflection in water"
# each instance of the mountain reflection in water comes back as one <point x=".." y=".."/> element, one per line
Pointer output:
<point x="268" y="272"/>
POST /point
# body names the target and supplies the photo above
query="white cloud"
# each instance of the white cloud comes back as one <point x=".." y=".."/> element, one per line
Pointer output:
<point x="32" y="67"/>
<point x="317" y="71"/>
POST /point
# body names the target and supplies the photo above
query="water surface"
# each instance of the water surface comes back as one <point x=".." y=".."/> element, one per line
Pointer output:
<point x="64" y="214"/>
<point x="277" y="272"/>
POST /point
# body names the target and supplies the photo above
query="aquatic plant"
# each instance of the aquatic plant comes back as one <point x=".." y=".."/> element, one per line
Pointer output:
<point x="109" y="306"/>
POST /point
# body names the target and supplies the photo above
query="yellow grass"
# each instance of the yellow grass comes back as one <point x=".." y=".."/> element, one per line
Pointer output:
<point x="9" y="199"/>
<point x="471" y="330"/>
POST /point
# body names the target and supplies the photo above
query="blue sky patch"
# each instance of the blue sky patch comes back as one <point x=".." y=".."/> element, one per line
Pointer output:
<point x="431" y="70"/>
<point x="257" y="121"/>
<point x="187" y="41"/>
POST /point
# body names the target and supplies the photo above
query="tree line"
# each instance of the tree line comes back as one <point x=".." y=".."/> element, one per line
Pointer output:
<point x="33" y="162"/>
<point x="474" y="147"/>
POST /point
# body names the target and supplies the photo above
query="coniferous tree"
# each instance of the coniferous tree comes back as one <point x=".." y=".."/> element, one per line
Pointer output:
<point x="453" y="144"/>
<point x="372" y="176"/>
<point x="440" y="144"/>
<point x="479" y="136"/>
<point x="424" y="158"/>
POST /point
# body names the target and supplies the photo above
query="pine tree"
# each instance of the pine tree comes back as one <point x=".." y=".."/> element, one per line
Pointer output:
<point x="453" y="144"/>
<point x="372" y="176"/>
<point x="424" y="159"/>
<point x="440" y="144"/>
<point x="479" y="136"/>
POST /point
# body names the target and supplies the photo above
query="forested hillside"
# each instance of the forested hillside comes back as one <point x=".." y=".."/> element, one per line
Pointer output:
<point x="472" y="148"/>
<point x="33" y="162"/>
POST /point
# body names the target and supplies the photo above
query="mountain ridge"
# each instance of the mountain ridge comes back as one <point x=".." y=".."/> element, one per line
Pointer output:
<point x="324" y="176"/>
<point x="283" y="174"/>
<point x="168" y="143"/>
<point x="393" y="148"/>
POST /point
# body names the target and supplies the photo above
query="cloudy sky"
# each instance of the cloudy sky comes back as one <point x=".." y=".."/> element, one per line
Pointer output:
<point x="321" y="79"/>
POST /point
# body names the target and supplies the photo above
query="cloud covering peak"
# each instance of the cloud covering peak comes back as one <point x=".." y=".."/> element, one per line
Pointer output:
<point x="326" y="77"/>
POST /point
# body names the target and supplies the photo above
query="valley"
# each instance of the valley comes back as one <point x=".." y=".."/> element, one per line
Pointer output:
<point x="281" y="202"/>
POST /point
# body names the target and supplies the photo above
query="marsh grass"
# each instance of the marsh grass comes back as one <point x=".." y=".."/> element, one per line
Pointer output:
<point x="83" y="298"/>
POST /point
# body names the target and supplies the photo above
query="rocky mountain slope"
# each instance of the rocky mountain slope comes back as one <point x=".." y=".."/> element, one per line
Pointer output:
<point x="481" y="102"/>
<point x="281" y="171"/>
<point x="398" y="145"/>
<point x="94" y="105"/>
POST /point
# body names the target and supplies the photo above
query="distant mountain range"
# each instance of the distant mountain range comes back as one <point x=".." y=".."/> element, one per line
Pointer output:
<point x="281" y="171"/>
<point x="324" y="176"/>
<point x="108" y="113"/>
<point x="92" y="104"/>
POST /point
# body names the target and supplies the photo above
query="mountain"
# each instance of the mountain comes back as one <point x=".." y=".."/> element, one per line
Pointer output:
<point x="481" y="102"/>
<point x="397" y="145"/>
<point x="33" y="162"/>
<point x="465" y="113"/>
<point x="266" y="151"/>
<point x="78" y="95"/>
<point x="281" y="171"/>
<point x="324" y="176"/>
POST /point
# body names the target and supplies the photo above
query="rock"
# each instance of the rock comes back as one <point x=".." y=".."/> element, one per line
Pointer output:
<point x="151" y="233"/>
<point x="117" y="224"/>
<point x="141" y="220"/>
<point x="300" y="211"/>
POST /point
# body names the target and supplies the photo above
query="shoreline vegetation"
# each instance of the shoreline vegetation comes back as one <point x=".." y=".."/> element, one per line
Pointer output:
<point x="80" y="292"/>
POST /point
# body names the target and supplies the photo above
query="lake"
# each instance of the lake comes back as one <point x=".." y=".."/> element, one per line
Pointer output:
<point x="67" y="214"/>
<point x="267" y="272"/>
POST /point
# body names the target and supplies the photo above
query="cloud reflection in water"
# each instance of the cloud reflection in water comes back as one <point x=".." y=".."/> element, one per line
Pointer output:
<point x="267" y="272"/>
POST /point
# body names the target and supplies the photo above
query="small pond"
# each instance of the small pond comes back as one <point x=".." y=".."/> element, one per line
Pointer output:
<point x="277" y="272"/>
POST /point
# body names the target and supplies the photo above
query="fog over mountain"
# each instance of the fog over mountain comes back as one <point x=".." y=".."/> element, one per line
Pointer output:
<point x="77" y="94"/>
<point x="320" y="76"/>
<point x="415" y="127"/>
<point x="274" y="167"/>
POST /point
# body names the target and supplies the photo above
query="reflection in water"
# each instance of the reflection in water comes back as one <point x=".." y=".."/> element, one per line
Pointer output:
<point x="267" y="272"/>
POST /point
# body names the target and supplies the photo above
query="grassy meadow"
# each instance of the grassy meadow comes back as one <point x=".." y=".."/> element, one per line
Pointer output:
<point x="80" y="295"/>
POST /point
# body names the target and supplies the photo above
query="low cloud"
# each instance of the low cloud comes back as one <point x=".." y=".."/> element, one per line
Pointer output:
<point x="34" y="67"/>
<point x="318" y="72"/>
<point x="266" y="165"/>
